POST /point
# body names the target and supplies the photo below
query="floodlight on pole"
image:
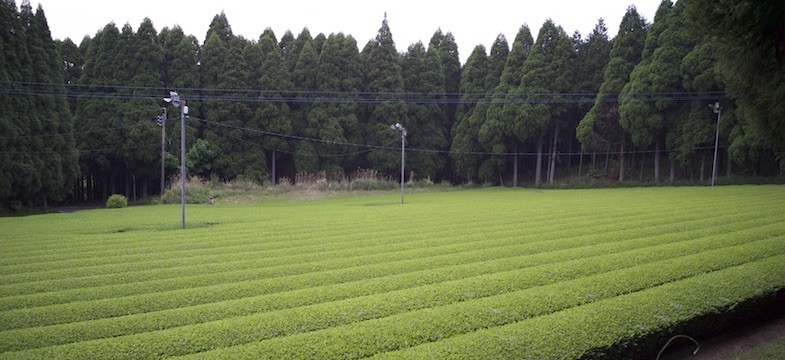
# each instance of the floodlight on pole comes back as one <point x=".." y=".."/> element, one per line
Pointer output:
<point x="402" y="129"/>
<point x="717" y="110"/>
<point x="174" y="99"/>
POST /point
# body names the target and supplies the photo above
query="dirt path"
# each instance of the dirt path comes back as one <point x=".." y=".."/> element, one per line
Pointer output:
<point x="731" y="345"/>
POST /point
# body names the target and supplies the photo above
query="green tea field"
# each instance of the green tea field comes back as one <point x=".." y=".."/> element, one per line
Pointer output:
<point x="487" y="273"/>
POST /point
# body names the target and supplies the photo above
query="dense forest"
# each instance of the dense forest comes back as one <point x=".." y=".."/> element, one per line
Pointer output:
<point x="81" y="121"/>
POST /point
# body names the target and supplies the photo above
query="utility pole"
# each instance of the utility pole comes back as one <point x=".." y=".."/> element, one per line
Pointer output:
<point x="402" y="129"/>
<point x="183" y="113"/>
<point x="174" y="98"/>
<point x="162" y="123"/>
<point x="717" y="110"/>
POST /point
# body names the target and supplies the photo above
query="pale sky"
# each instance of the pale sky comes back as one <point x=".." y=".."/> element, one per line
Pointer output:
<point x="471" y="22"/>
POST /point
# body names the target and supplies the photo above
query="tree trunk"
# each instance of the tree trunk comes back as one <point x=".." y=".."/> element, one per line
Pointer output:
<point x="657" y="161"/>
<point x="95" y="183"/>
<point x="673" y="171"/>
<point x="78" y="189"/>
<point x="126" y="180"/>
<point x="273" y="172"/>
<point x="538" y="170"/>
<point x="105" y="193"/>
<point x="548" y="167"/>
<point x="84" y="185"/>
<point x="728" y="169"/>
<point x="569" y="158"/>
<point x="643" y="161"/>
<point x="594" y="160"/>
<point x="621" y="162"/>
<point x="552" y="167"/>
<point x="703" y="167"/>
<point x="580" y="164"/>
<point x="515" y="168"/>
<point x="607" y="160"/>
<point x="90" y="191"/>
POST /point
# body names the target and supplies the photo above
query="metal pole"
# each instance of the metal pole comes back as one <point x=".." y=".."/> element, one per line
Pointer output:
<point x="718" y="110"/>
<point x="182" y="163"/>
<point x="163" y="153"/>
<point x="403" y="159"/>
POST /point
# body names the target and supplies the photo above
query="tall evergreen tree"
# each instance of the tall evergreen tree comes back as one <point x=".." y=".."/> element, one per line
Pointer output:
<point x="333" y="117"/>
<point x="318" y="42"/>
<point x="639" y="110"/>
<point x="144" y="71"/>
<point x="220" y="26"/>
<point x="384" y="83"/>
<point x="447" y="48"/>
<point x="224" y="68"/>
<point x="20" y="178"/>
<point x="491" y="166"/>
<point x="304" y="74"/>
<point x="647" y="120"/>
<point x="600" y="127"/>
<point x="594" y="56"/>
<point x="465" y="145"/>
<point x="751" y="60"/>
<point x="424" y="78"/>
<point x="273" y="113"/>
<point x="61" y="158"/>
<point x="285" y="46"/>
<point x="180" y="72"/>
<point x="28" y="165"/>
<point x="40" y="121"/>
<point x="8" y="127"/>
<point x="73" y="60"/>
<point x="545" y="73"/>
<point x="591" y="60"/>
<point x="696" y="129"/>
<point x="181" y="66"/>
<point x="296" y="47"/>
<point x="497" y="132"/>
<point x="96" y="112"/>
<point x="746" y="147"/>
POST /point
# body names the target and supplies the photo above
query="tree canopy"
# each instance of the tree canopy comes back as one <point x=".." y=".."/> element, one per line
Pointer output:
<point x="78" y="121"/>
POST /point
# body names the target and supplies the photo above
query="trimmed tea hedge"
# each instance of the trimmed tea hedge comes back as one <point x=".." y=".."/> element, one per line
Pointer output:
<point x="447" y="275"/>
<point x="576" y="331"/>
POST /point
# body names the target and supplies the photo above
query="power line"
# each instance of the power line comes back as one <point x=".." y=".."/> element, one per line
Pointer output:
<point x="343" y="97"/>
<point x="353" y="97"/>
<point x="368" y="148"/>
<point x="69" y="133"/>
<point x="288" y="152"/>
<point x="437" y="151"/>
<point x="78" y="150"/>
<point x="287" y="136"/>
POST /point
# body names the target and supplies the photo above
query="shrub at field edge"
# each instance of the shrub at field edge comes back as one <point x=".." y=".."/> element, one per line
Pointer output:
<point x="116" y="201"/>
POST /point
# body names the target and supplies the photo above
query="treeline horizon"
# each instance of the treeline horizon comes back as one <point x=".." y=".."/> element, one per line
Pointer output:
<point x="79" y="122"/>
